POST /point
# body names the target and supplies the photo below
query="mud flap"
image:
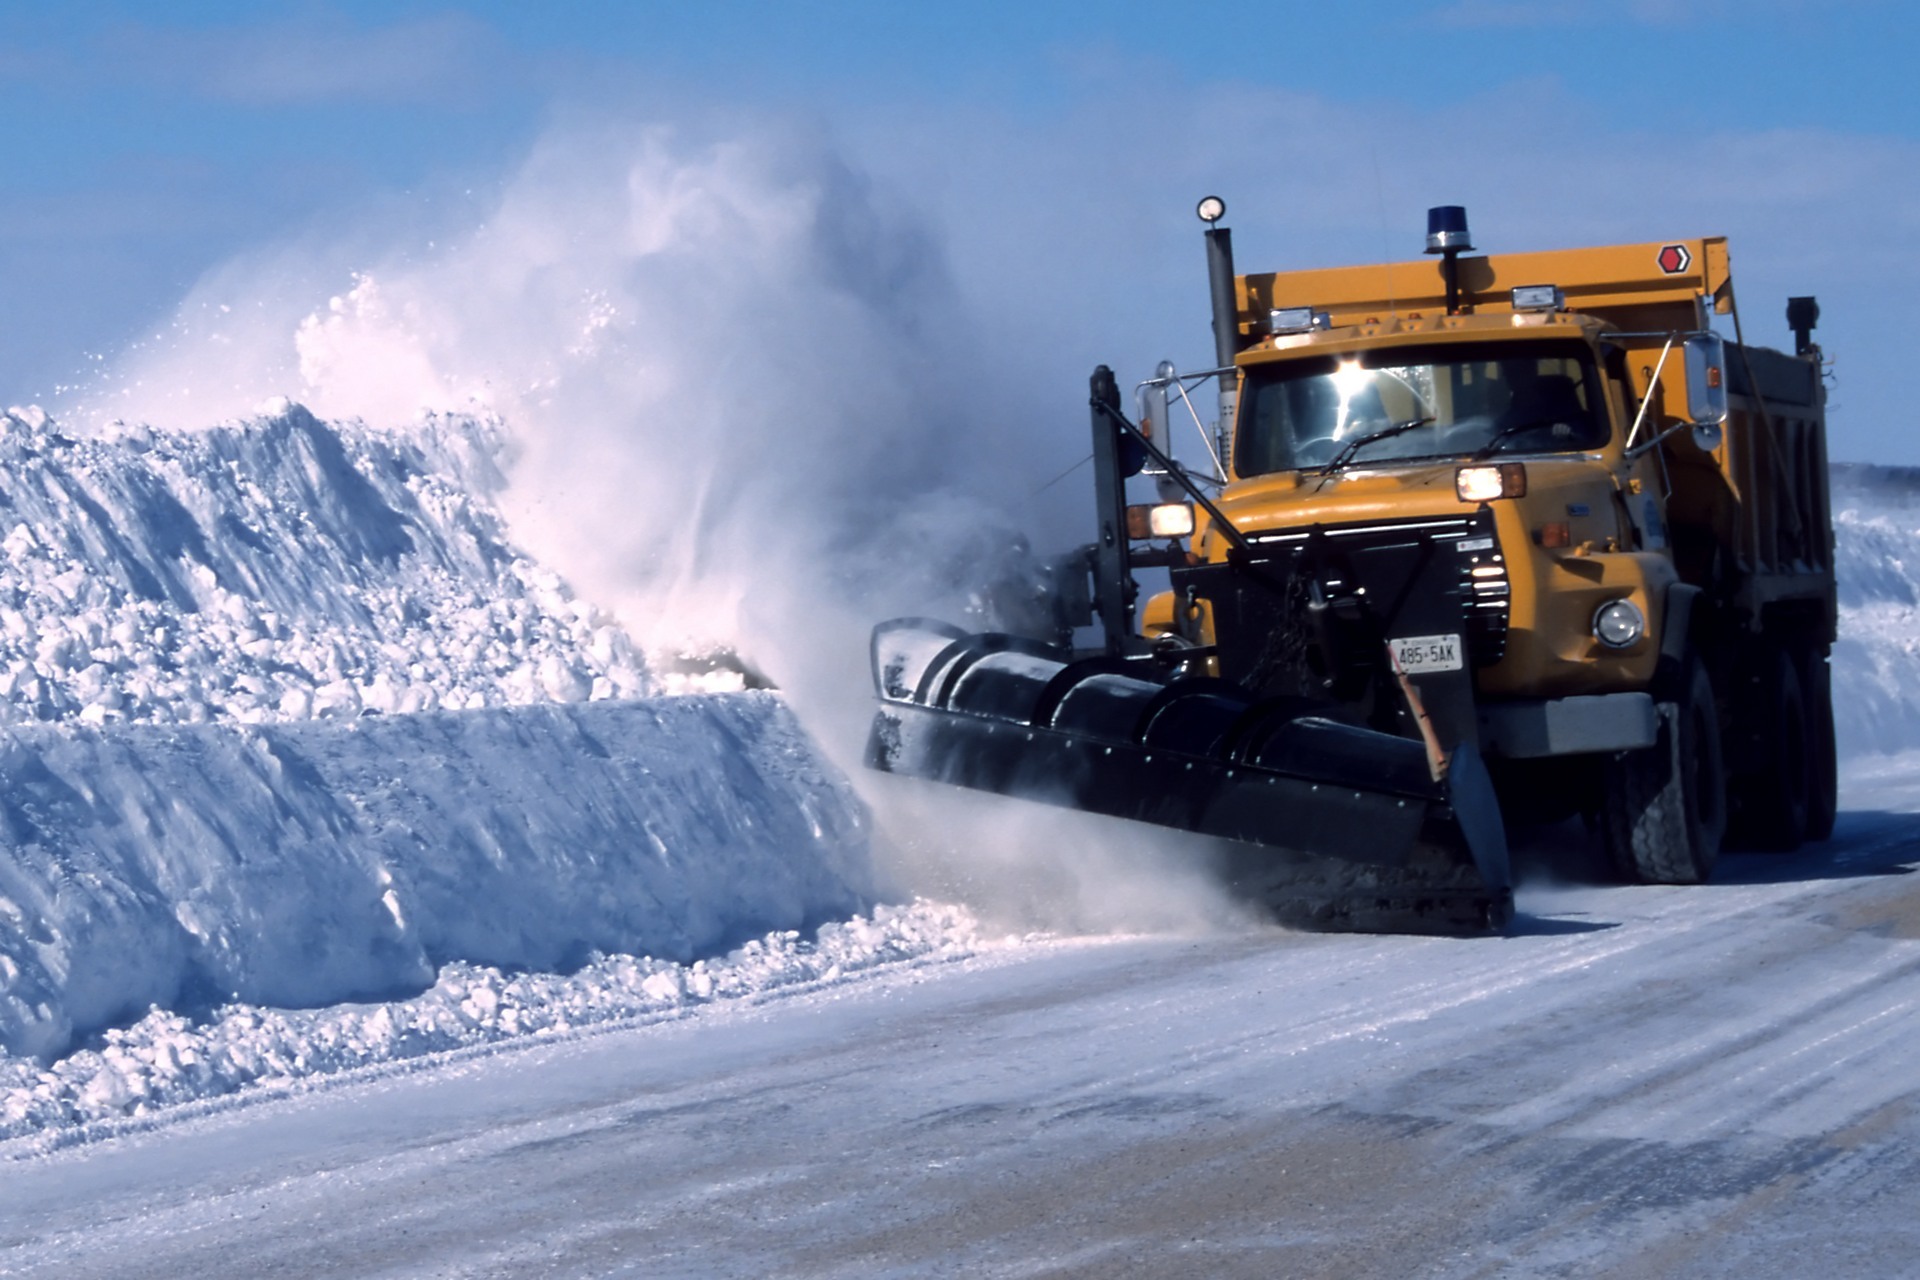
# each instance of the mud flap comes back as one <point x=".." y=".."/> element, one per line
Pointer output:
<point x="1476" y="811"/>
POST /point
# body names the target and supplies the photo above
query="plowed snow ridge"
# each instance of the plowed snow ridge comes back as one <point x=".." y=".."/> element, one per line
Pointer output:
<point x="278" y="569"/>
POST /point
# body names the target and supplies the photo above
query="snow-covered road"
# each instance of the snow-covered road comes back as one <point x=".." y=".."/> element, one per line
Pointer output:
<point x="1641" y="1081"/>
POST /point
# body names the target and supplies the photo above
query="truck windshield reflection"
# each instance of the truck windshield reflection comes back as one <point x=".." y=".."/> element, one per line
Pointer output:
<point x="1462" y="399"/>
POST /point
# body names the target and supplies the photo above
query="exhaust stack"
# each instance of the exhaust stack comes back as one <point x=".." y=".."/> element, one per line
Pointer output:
<point x="1226" y="311"/>
<point x="1447" y="235"/>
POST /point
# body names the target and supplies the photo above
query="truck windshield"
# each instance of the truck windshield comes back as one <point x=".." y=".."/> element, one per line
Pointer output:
<point x="1466" y="398"/>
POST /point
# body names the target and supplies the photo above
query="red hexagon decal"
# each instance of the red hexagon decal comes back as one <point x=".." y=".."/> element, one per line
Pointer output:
<point x="1674" y="258"/>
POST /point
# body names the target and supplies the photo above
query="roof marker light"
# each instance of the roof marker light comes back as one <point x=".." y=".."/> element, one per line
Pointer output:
<point x="1539" y="297"/>
<point x="1296" y="320"/>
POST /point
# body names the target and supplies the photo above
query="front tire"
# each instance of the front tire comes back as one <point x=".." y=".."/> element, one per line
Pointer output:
<point x="1663" y="809"/>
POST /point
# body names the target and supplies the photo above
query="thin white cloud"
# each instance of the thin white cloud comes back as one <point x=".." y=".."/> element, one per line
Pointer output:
<point x="1572" y="13"/>
<point x="1511" y="13"/>
<point x="318" y="58"/>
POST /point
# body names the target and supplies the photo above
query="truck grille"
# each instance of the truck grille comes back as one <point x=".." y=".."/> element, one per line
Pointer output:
<point x="1400" y="577"/>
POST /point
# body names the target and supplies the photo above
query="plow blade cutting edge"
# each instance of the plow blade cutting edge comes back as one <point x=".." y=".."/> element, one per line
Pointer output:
<point x="1001" y="714"/>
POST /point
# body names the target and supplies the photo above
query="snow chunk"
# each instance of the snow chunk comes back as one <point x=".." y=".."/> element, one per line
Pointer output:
<point x="278" y="569"/>
<point x="167" y="1060"/>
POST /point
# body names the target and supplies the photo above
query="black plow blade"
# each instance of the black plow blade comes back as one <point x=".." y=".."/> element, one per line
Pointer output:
<point x="1334" y="824"/>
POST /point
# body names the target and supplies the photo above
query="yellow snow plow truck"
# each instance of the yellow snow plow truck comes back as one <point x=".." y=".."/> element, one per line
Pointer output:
<point x="1481" y="540"/>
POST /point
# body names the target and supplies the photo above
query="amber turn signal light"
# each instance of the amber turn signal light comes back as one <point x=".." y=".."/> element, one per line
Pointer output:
<point x="1162" y="520"/>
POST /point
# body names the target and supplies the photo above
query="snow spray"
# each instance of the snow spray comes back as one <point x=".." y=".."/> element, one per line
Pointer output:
<point x="746" y="404"/>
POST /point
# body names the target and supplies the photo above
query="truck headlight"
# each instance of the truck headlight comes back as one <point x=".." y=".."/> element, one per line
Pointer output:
<point x="1493" y="480"/>
<point x="1619" y="624"/>
<point x="1161" y="520"/>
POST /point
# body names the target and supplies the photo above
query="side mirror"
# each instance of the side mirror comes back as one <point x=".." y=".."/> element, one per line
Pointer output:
<point x="1707" y="381"/>
<point x="1707" y="436"/>
<point x="1152" y="404"/>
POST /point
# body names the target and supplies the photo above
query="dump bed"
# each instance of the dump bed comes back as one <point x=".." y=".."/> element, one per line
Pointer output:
<point x="1661" y="285"/>
<point x="1753" y="518"/>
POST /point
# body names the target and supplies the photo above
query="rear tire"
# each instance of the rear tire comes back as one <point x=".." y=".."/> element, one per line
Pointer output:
<point x="1775" y="806"/>
<point x="1663" y="809"/>
<point x="1823" y="796"/>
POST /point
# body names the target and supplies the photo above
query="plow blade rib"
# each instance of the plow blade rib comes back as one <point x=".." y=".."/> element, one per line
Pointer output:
<point x="1124" y="781"/>
<point x="996" y="713"/>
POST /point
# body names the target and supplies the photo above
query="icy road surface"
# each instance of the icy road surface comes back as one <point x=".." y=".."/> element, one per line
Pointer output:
<point x="1641" y="1082"/>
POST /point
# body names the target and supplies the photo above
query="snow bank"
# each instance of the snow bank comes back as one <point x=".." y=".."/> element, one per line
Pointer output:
<point x="287" y="719"/>
<point x="166" y="1060"/>
<point x="277" y="569"/>
<point x="1876" y="664"/>
<point x="304" y="864"/>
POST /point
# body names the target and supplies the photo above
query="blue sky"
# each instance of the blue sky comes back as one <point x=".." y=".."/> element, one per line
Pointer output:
<point x="1041" y="145"/>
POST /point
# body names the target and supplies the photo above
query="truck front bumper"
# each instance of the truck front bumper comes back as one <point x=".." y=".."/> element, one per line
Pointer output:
<point x="1529" y="728"/>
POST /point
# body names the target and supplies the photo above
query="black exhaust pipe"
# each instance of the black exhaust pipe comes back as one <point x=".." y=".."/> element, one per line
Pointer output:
<point x="1802" y="315"/>
<point x="1447" y="235"/>
<point x="1226" y="311"/>
<point x="1226" y="315"/>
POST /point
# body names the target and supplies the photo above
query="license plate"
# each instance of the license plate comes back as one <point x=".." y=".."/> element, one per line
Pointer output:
<point x="1418" y="655"/>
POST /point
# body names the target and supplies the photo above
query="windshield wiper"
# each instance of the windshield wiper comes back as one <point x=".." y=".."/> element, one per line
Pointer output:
<point x="1355" y="445"/>
<point x="1505" y="433"/>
